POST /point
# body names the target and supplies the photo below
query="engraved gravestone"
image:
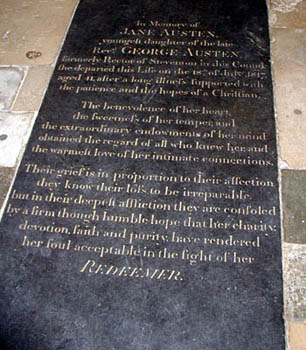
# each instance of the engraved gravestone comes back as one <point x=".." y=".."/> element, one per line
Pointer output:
<point x="145" y="212"/>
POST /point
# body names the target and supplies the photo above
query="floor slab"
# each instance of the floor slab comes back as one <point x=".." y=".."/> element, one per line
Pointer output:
<point x="297" y="336"/>
<point x="6" y="177"/>
<point x="31" y="33"/>
<point x="32" y="30"/>
<point x="14" y="131"/>
<point x="289" y="62"/>
<point x="294" y="205"/>
<point x="295" y="282"/>
<point x="33" y="88"/>
<point x="288" y="13"/>
<point x="10" y="81"/>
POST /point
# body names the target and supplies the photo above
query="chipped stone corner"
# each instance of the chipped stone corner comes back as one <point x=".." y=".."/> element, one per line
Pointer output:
<point x="282" y="164"/>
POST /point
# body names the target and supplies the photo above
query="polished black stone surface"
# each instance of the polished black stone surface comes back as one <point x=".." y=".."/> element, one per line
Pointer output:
<point x="145" y="213"/>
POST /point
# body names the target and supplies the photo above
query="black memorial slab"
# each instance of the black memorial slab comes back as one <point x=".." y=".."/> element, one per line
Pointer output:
<point x="145" y="212"/>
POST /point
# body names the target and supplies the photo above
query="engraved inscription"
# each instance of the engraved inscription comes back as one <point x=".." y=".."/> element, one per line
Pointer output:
<point x="194" y="217"/>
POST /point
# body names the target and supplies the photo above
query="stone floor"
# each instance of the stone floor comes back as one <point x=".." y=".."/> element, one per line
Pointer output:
<point x="31" y="34"/>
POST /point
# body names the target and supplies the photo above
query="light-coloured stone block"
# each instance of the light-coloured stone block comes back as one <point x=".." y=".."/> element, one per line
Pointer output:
<point x="32" y="30"/>
<point x="297" y="336"/>
<point x="33" y="88"/>
<point x="288" y="13"/>
<point x="294" y="205"/>
<point x="295" y="282"/>
<point x="14" y="131"/>
<point x="10" y="80"/>
<point x="289" y="57"/>
<point x="6" y="177"/>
